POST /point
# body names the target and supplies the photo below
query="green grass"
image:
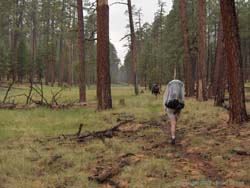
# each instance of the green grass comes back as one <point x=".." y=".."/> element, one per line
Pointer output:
<point x="27" y="159"/>
<point x="43" y="121"/>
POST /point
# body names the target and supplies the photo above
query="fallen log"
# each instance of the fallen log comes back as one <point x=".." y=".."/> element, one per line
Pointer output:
<point x="241" y="152"/>
<point x="108" y="133"/>
<point x="72" y="105"/>
<point x="12" y="106"/>
<point x="36" y="104"/>
<point x="104" y="174"/>
<point x="122" y="128"/>
<point x="8" y="106"/>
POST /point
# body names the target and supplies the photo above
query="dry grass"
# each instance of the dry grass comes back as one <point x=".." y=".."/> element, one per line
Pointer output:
<point x="203" y="150"/>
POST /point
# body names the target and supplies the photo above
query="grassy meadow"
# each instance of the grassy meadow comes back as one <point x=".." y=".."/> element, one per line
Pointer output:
<point x="203" y="156"/>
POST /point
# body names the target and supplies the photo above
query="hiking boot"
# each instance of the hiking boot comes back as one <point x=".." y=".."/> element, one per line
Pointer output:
<point x="173" y="141"/>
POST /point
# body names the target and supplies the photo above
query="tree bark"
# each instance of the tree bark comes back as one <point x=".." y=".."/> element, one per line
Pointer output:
<point x="82" y="82"/>
<point x="187" y="58"/>
<point x="133" y="47"/>
<point x="16" y="35"/>
<point x="214" y="48"/>
<point x="220" y="79"/>
<point x="201" y="64"/>
<point x="61" y="47"/>
<point x="34" y="39"/>
<point x="53" y="49"/>
<point x="46" y="30"/>
<point x="234" y="62"/>
<point x="103" y="64"/>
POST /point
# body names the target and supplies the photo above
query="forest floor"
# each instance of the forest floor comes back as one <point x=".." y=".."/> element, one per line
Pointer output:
<point x="39" y="147"/>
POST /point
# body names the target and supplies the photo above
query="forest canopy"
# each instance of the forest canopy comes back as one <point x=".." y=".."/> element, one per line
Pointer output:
<point x="41" y="35"/>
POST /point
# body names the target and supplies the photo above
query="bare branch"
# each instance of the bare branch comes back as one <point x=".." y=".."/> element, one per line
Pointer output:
<point x="126" y="36"/>
<point x="14" y="96"/>
<point x="118" y="3"/>
<point x="41" y="95"/>
<point x="54" y="96"/>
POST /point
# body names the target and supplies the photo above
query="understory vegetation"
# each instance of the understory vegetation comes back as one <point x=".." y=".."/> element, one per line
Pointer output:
<point x="38" y="148"/>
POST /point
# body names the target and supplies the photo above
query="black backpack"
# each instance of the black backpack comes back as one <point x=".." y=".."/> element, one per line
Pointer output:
<point x="175" y="104"/>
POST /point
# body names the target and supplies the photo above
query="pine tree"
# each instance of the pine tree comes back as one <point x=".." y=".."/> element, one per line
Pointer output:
<point x="201" y="65"/>
<point x="187" y="58"/>
<point x="234" y="62"/>
<point x="133" y="48"/>
<point x="82" y="83"/>
<point x="103" y="64"/>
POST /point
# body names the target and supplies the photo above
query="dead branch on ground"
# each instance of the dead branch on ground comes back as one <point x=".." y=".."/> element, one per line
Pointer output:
<point x="104" y="174"/>
<point x="241" y="152"/>
<point x="108" y="133"/>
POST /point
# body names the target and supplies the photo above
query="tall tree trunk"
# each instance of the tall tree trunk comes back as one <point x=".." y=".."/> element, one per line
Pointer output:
<point x="133" y="47"/>
<point x="214" y="49"/>
<point x="46" y="59"/>
<point x="70" y="64"/>
<point x="34" y="39"/>
<point x="244" y="59"/>
<point x="201" y="64"/>
<point x="187" y="58"/>
<point x="209" y="52"/>
<point x="248" y="70"/>
<point x="15" y="38"/>
<point x="161" y="60"/>
<point x="140" y="38"/>
<point x="70" y="47"/>
<point x="82" y="82"/>
<point x="61" y="47"/>
<point x="234" y="61"/>
<point x="103" y="64"/>
<point x="220" y="79"/>
<point x="53" y="47"/>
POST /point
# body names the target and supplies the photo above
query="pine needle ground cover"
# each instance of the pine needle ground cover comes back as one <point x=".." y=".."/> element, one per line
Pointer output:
<point x="35" y="153"/>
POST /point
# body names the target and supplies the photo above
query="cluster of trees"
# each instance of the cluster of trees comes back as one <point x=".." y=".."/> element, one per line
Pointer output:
<point x="161" y="48"/>
<point x="39" y="40"/>
<point x="206" y="43"/>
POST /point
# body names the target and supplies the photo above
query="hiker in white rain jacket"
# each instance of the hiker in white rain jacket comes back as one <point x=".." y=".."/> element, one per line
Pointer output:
<point x="173" y="102"/>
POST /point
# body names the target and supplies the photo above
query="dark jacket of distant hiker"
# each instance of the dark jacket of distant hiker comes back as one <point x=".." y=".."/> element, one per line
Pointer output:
<point x="155" y="89"/>
<point x="173" y="98"/>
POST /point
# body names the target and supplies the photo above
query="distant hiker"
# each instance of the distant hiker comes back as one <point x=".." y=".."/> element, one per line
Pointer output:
<point x="155" y="89"/>
<point x="173" y="102"/>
